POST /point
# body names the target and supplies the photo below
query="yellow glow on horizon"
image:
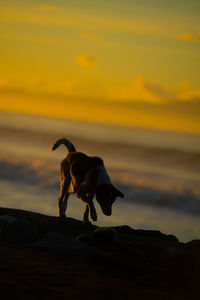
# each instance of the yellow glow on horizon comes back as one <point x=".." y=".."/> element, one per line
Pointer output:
<point x="105" y="112"/>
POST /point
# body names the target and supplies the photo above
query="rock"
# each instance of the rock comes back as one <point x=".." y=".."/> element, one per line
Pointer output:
<point x="69" y="247"/>
<point x="140" y="264"/>
<point x="43" y="228"/>
<point x="104" y="235"/>
<point x="20" y="231"/>
<point x="124" y="229"/>
<point x="4" y="220"/>
<point x="194" y="243"/>
<point x="155" y="234"/>
<point x="85" y="238"/>
<point x="58" y="242"/>
<point x="7" y="218"/>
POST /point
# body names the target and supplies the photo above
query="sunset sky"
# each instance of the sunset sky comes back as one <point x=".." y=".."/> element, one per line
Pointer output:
<point x="134" y="62"/>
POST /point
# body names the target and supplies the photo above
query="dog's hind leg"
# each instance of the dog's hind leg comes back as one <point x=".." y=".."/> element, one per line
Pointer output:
<point x="65" y="180"/>
<point x="62" y="204"/>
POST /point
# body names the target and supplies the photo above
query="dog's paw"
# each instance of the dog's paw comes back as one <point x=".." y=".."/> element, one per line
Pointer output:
<point x="62" y="215"/>
<point x="94" y="217"/>
<point x="87" y="222"/>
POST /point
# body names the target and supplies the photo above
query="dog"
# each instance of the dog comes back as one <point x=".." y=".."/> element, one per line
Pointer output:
<point x="87" y="177"/>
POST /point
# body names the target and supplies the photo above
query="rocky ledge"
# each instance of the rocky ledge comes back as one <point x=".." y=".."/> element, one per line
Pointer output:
<point x="61" y="258"/>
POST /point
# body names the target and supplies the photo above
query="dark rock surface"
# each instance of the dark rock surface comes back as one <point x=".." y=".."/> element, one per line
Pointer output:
<point x="58" y="243"/>
<point x="21" y="231"/>
<point x="104" y="235"/>
<point x="61" y="258"/>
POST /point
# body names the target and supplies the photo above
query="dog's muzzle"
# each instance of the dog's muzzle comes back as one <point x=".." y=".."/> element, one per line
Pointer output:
<point x="107" y="211"/>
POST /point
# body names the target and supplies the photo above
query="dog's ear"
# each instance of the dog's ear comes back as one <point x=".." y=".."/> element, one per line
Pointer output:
<point x="118" y="193"/>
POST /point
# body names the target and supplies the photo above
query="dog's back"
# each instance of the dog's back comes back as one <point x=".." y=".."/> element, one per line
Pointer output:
<point x="76" y="166"/>
<point x="81" y="165"/>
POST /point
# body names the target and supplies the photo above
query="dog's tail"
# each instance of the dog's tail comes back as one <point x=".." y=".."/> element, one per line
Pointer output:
<point x="65" y="142"/>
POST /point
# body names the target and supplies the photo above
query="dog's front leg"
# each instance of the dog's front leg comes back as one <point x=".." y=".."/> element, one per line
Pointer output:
<point x="92" y="210"/>
<point x="86" y="214"/>
<point x="93" y="213"/>
<point x="86" y="196"/>
<point x="88" y="200"/>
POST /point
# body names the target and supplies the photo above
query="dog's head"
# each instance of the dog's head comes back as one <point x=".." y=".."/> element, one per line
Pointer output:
<point x="106" y="194"/>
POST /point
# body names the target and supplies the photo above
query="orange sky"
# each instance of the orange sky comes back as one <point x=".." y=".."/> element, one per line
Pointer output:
<point x="131" y="62"/>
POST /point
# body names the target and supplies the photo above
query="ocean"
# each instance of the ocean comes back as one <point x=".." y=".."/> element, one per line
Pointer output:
<point x="158" y="171"/>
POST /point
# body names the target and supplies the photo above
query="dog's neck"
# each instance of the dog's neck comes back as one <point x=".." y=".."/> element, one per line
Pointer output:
<point x="103" y="177"/>
<point x="97" y="176"/>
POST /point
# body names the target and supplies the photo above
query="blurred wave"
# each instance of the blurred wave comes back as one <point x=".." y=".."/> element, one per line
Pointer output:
<point x="26" y="142"/>
<point x="32" y="172"/>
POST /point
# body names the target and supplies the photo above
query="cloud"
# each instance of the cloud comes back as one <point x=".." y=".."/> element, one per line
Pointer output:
<point x="169" y="94"/>
<point x="92" y="36"/>
<point x="151" y="91"/>
<point x="140" y="90"/>
<point x="158" y="91"/>
<point x="190" y="37"/>
<point x="145" y="90"/>
<point x="190" y="95"/>
<point x="47" y="8"/>
<point x="69" y="18"/>
<point x="86" y="61"/>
